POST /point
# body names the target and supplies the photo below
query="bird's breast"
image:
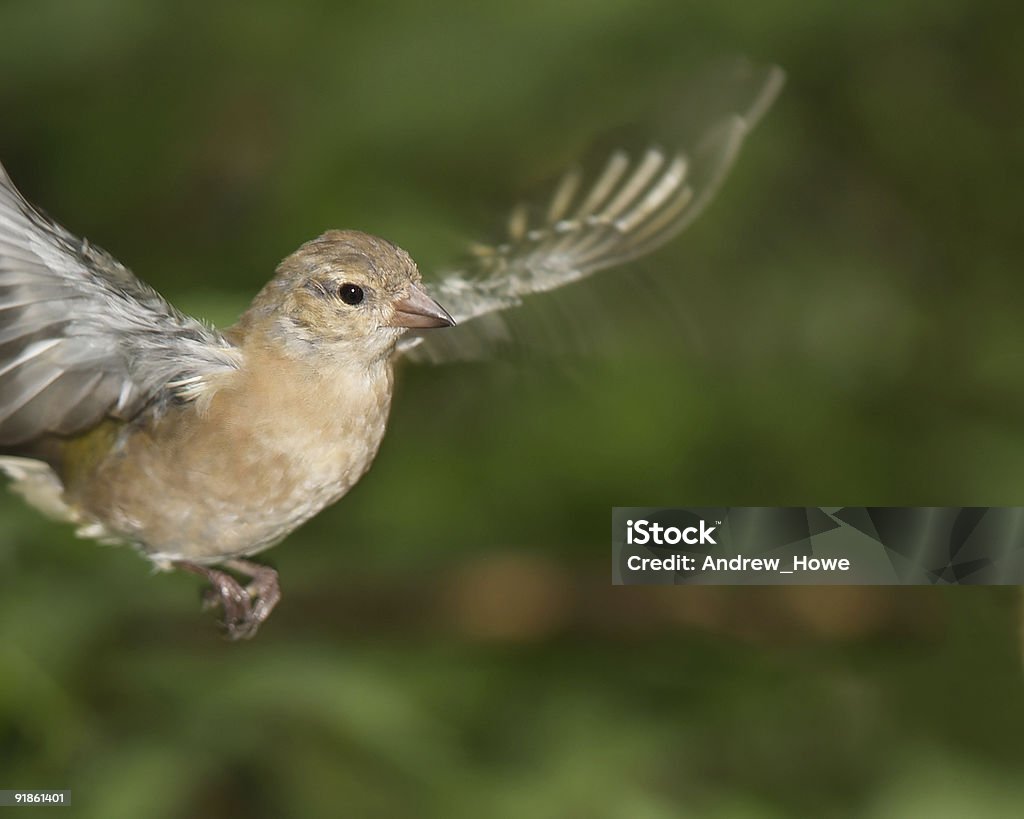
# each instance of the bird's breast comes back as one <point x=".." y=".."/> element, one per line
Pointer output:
<point x="237" y="473"/>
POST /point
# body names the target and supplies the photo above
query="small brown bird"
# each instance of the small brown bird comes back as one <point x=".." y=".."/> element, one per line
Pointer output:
<point x="200" y="447"/>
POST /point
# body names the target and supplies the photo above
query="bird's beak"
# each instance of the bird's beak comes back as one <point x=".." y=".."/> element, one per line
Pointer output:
<point x="418" y="310"/>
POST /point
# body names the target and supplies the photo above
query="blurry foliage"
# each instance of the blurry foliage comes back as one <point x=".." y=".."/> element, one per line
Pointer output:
<point x="844" y="328"/>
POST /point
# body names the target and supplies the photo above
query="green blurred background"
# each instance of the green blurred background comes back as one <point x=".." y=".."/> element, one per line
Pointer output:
<point x="844" y="329"/>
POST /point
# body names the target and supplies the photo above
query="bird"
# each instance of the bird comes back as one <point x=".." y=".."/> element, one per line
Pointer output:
<point x="201" y="448"/>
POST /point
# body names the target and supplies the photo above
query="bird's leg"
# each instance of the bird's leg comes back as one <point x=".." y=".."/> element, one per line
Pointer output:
<point x="264" y="590"/>
<point x="227" y="593"/>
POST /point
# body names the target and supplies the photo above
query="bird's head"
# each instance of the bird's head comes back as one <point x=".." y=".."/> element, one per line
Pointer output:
<point x="344" y="293"/>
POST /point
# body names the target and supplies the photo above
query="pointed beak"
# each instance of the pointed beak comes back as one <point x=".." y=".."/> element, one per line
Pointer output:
<point x="417" y="310"/>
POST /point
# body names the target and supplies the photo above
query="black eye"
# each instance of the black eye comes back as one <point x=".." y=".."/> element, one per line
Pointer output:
<point x="351" y="293"/>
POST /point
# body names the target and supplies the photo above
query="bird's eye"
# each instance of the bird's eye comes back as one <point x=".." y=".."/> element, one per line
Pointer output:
<point x="350" y="293"/>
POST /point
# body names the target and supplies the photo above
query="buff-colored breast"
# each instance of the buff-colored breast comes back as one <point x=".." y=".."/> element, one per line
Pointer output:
<point x="235" y="472"/>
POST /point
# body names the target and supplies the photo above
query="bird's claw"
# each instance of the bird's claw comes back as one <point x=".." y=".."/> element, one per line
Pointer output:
<point x="244" y="607"/>
<point x="227" y="594"/>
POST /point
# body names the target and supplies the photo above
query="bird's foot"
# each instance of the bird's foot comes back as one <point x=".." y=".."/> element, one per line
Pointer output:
<point x="264" y="590"/>
<point x="245" y="608"/>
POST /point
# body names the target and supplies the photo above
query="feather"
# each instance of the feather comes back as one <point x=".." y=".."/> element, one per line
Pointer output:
<point x="81" y="338"/>
<point x="634" y="206"/>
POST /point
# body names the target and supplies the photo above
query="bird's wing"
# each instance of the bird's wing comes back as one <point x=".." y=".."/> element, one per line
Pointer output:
<point x="633" y="206"/>
<point x="81" y="338"/>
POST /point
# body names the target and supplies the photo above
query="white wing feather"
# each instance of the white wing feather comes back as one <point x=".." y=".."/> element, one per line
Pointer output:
<point x="81" y="338"/>
<point x="635" y="205"/>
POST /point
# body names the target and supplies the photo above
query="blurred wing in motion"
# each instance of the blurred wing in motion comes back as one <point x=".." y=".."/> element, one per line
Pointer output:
<point x="80" y="337"/>
<point x="634" y="205"/>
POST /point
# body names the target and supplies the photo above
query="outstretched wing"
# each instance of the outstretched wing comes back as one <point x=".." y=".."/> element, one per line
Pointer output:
<point x="635" y="205"/>
<point x="80" y="337"/>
